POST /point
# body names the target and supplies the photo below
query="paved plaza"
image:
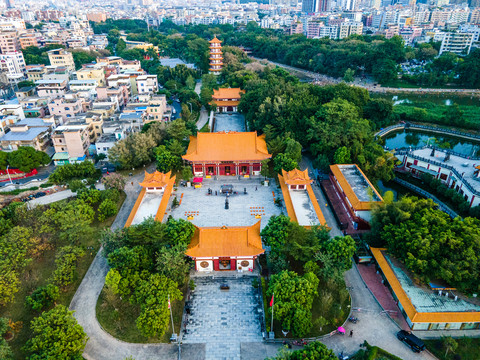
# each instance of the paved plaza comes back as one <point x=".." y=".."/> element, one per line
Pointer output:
<point x="229" y="122"/>
<point x="223" y="319"/>
<point x="209" y="210"/>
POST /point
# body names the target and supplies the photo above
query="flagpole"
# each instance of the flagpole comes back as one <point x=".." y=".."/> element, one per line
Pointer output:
<point x="171" y="315"/>
<point x="273" y="305"/>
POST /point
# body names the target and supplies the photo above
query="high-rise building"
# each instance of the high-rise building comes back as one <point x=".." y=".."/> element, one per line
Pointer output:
<point x="60" y="57"/>
<point x="216" y="58"/>
<point x="457" y="43"/>
<point x="9" y="4"/>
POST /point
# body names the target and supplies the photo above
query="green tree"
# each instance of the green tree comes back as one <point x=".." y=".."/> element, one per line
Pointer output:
<point x="190" y="82"/>
<point x="341" y="250"/>
<point x="66" y="262"/>
<point x="166" y="161"/>
<point x="26" y="158"/>
<point x="56" y="335"/>
<point x="283" y="161"/>
<point x="385" y="71"/>
<point x="179" y="231"/>
<point x="293" y="299"/>
<point x="314" y="350"/>
<point x="107" y="209"/>
<point x="342" y="156"/>
<point x="5" y="350"/>
<point x="43" y="297"/>
<point x="349" y="75"/>
<point x="178" y="130"/>
<point x="380" y="112"/>
<point x="276" y="232"/>
<point x="294" y="150"/>
<point x="153" y="295"/>
<point x="450" y="344"/>
<point x="76" y="185"/>
<point x="172" y="262"/>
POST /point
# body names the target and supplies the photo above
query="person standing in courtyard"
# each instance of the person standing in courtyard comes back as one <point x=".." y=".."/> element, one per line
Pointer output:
<point x="351" y="333"/>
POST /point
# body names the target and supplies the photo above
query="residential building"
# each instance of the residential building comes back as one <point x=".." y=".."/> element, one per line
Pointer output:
<point x="147" y="84"/>
<point x="71" y="143"/>
<point x="34" y="106"/>
<point x="156" y="108"/>
<point x="13" y="64"/>
<point x="231" y="153"/>
<point x="458" y="43"/>
<point x="51" y="88"/>
<point x="27" y="132"/>
<point x="57" y="73"/>
<point x="348" y="28"/>
<point x="35" y="72"/>
<point x="91" y="72"/>
<point x="104" y="143"/>
<point x="9" y="42"/>
<point x="27" y="39"/>
<point x="118" y="95"/>
<point x="25" y="92"/>
<point x="96" y="17"/>
<point x="68" y="106"/>
<point x="83" y="85"/>
<point x="61" y="57"/>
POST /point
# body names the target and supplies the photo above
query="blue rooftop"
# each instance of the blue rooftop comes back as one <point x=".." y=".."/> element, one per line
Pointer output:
<point x="28" y="135"/>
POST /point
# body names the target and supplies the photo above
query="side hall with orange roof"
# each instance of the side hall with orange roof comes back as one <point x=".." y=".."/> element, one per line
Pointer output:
<point x="426" y="308"/>
<point x="227" y="99"/>
<point x="227" y="153"/>
<point x="356" y="191"/>
<point x="153" y="198"/>
<point x="225" y="248"/>
<point x="300" y="200"/>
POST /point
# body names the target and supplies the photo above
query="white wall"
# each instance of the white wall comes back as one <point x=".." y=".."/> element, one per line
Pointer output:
<point x="208" y="268"/>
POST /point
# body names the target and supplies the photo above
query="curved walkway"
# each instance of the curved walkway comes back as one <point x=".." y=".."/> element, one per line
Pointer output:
<point x="434" y="129"/>
<point x="445" y="208"/>
<point x="101" y="345"/>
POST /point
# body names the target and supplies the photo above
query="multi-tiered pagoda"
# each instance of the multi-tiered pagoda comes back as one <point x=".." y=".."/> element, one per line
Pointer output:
<point x="216" y="58"/>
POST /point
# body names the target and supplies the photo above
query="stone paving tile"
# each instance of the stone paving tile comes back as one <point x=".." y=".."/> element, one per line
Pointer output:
<point x="223" y="319"/>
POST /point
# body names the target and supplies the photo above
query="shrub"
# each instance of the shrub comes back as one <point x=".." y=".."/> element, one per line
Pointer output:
<point x="43" y="297"/>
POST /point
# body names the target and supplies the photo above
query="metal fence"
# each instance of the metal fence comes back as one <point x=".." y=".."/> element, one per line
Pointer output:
<point x="445" y="131"/>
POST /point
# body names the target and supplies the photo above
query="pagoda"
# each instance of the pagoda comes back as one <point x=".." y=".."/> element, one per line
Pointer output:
<point x="216" y="58"/>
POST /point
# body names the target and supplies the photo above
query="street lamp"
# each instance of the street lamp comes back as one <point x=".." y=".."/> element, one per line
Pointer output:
<point x="190" y="103"/>
<point x="9" y="177"/>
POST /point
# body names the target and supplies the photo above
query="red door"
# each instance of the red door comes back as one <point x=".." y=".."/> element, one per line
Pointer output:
<point x="216" y="264"/>
<point x="233" y="264"/>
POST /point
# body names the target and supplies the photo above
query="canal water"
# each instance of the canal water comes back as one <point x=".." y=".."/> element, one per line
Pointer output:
<point x="414" y="138"/>
<point x="439" y="99"/>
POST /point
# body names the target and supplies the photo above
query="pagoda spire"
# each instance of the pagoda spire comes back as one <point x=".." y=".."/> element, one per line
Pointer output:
<point x="216" y="58"/>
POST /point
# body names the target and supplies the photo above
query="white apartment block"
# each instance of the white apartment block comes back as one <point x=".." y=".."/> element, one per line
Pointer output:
<point x="13" y="64"/>
<point x="457" y="43"/>
<point x="147" y="84"/>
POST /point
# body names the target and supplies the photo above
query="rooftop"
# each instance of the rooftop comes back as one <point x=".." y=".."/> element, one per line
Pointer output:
<point x="223" y="241"/>
<point x="356" y="186"/>
<point x="106" y="138"/>
<point x="32" y="122"/>
<point x="227" y="93"/>
<point x="28" y="135"/>
<point x="174" y="62"/>
<point x="223" y="146"/>
<point x="420" y="303"/>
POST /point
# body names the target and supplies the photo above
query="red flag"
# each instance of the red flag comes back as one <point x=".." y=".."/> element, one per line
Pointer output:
<point x="271" y="302"/>
<point x="169" y="303"/>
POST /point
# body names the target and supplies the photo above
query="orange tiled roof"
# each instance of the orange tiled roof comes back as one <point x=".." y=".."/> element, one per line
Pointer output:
<point x="227" y="93"/>
<point x="156" y="179"/>
<point x="289" y="203"/>
<point x="223" y="146"/>
<point x="215" y="40"/>
<point x="226" y="242"/>
<point x="410" y="310"/>
<point x="349" y="192"/>
<point x="225" y="103"/>
<point x="296" y="177"/>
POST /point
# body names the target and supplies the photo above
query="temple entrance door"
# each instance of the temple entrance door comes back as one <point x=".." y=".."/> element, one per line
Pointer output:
<point x="244" y="169"/>
<point x="210" y="170"/>
<point x="227" y="170"/>
<point x="224" y="264"/>
<point x="230" y="108"/>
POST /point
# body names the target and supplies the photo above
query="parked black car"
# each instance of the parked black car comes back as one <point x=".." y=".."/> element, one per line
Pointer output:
<point x="411" y="340"/>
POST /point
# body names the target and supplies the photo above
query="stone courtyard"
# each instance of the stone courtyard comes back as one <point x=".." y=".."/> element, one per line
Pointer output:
<point x="209" y="210"/>
<point x="224" y="319"/>
<point x="229" y="122"/>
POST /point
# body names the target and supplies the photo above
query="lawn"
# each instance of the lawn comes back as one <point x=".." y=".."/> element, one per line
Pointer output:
<point x="373" y="353"/>
<point x="117" y="317"/>
<point x="468" y="349"/>
<point x="38" y="273"/>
